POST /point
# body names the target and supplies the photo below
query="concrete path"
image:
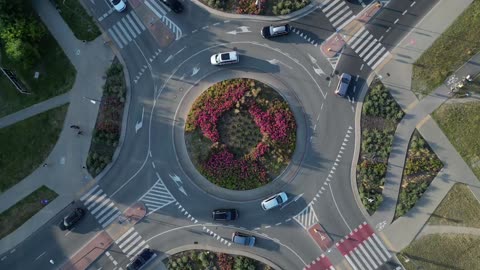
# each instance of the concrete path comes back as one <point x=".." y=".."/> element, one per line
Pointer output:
<point x="400" y="233"/>
<point x="65" y="173"/>
<point x="440" y="229"/>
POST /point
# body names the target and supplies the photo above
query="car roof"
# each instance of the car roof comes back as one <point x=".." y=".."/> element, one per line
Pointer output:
<point x="270" y="202"/>
<point x="228" y="56"/>
<point x="279" y="28"/>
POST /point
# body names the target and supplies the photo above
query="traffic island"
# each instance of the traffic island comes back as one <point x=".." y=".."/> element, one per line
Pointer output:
<point x="321" y="237"/>
<point x="332" y="46"/>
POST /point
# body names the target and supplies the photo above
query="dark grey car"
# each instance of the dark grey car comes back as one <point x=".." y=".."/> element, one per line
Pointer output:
<point x="243" y="239"/>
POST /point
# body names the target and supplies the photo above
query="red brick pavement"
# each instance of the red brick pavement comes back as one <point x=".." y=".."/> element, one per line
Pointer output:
<point x="320" y="237"/>
<point x="89" y="253"/>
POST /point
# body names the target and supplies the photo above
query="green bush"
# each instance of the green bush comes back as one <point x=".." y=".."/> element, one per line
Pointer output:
<point x="284" y="7"/>
<point x="409" y="196"/>
<point x="380" y="103"/>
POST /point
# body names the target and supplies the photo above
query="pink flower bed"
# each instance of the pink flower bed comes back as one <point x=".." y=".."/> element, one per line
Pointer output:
<point x="250" y="7"/>
<point x="275" y="123"/>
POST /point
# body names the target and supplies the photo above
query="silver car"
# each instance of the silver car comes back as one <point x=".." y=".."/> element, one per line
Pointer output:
<point x="274" y="201"/>
<point x="243" y="239"/>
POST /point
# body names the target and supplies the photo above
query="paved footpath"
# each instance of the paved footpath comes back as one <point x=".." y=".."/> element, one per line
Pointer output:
<point x="400" y="233"/>
<point x="64" y="173"/>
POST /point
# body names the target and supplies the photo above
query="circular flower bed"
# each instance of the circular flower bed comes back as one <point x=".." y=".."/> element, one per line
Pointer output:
<point x="240" y="134"/>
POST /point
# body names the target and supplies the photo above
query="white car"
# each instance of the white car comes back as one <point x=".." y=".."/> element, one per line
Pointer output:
<point x="274" y="201"/>
<point x="224" y="58"/>
<point x="118" y="5"/>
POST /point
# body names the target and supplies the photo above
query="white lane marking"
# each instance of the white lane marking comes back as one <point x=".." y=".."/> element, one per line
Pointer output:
<point x="405" y="12"/>
<point x="412" y="4"/>
<point x="39" y="256"/>
<point x="396" y="21"/>
<point x="338" y="210"/>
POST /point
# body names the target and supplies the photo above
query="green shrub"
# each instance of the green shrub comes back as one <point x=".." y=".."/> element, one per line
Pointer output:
<point x="380" y="103"/>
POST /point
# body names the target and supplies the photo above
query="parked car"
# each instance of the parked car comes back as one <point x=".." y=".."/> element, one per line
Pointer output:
<point x="175" y="5"/>
<point x="243" y="239"/>
<point x="275" y="30"/>
<point x="343" y="84"/>
<point x="71" y="219"/>
<point x="142" y="259"/>
<point x="225" y="214"/>
<point x="274" y="201"/>
<point x="118" y="5"/>
<point x="224" y="58"/>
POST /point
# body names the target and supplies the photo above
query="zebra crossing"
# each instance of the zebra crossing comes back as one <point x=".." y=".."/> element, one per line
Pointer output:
<point x="126" y="29"/>
<point x="100" y="206"/>
<point x="157" y="197"/>
<point x="363" y="249"/>
<point x="337" y="12"/>
<point x="368" y="48"/>
<point x="161" y="13"/>
<point x="131" y="243"/>
<point x="307" y="217"/>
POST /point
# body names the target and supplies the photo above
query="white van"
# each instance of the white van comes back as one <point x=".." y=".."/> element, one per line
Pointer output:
<point x="343" y="84"/>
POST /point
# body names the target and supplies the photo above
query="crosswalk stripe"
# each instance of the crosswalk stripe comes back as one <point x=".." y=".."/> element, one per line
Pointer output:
<point x="108" y="214"/>
<point x="357" y="262"/>
<point x="370" y="45"/>
<point x="157" y="5"/>
<point x="372" y="51"/>
<point x="115" y="28"/>
<point x="120" y="25"/>
<point x="92" y="197"/>
<point x="106" y="223"/>
<point x="89" y="192"/>
<point x="100" y="205"/>
<point x="329" y="5"/>
<point x="129" y="28"/>
<point x="133" y="24"/>
<point x="379" y="242"/>
<point x="359" y="40"/>
<point x="365" y="42"/>
<point x="355" y="36"/>
<point x="370" y="240"/>
<point x="138" y="21"/>
<point x="369" y="258"/>
<point x="375" y="256"/>
<point x="380" y="60"/>
<point x="123" y="236"/>
<point x="357" y="252"/>
<point x="132" y="252"/>
<point x="376" y="56"/>
<point x="105" y="209"/>
<point x="95" y="202"/>
<point x="115" y="38"/>
<point x="131" y="244"/>
<point x="134" y="234"/>
<point x="337" y="7"/>
<point x="154" y="10"/>
<point x="342" y="19"/>
<point x="350" y="262"/>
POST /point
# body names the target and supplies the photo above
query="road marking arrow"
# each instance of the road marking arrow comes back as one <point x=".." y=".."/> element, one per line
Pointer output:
<point x="139" y="125"/>
<point x="243" y="29"/>
<point x="195" y="71"/>
<point x="317" y="68"/>
<point x="178" y="182"/>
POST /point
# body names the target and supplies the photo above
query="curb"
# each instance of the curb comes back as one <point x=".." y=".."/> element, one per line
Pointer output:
<point x="294" y="15"/>
<point x="215" y="249"/>
<point x="356" y="151"/>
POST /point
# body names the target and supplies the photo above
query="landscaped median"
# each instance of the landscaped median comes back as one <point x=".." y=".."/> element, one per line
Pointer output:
<point x="25" y="145"/>
<point x="15" y="216"/>
<point x="453" y="48"/>
<point x="109" y="120"/>
<point x="460" y="122"/>
<point x="203" y="259"/>
<point x="380" y="116"/>
<point x="257" y="7"/>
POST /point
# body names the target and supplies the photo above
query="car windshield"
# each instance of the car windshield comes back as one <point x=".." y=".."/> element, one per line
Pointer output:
<point x="279" y="199"/>
<point x="224" y="56"/>
<point x="279" y="29"/>
<point x="345" y="80"/>
<point x="116" y="2"/>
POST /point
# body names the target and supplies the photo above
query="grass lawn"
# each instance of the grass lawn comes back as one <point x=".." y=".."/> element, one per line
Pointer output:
<point x="57" y="75"/>
<point x="15" y="216"/>
<point x="454" y="47"/>
<point x="460" y="122"/>
<point x="82" y="25"/>
<point x="458" y="208"/>
<point x="442" y="251"/>
<point x="25" y="145"/>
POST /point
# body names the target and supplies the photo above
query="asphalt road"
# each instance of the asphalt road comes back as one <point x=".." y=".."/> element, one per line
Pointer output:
<point x="167" y="76"/>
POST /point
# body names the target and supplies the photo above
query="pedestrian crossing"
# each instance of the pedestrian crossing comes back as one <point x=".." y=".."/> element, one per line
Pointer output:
<point x="307" y="217"/>
<point x="337" y="12"/>
<point x="100" y="206"/>
<point x="363" y="249"/>
<point x="368" y="48"/>
<point x="131" y="243"/>
<point x="126" y="29"/>
<point x="157" y="197"/>
<point x="161" y="11"/>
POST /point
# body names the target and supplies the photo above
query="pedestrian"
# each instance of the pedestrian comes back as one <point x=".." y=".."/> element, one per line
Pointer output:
<point x="74" y="127"/>
<point x="79" y="132"/>
<point x="44" y="165"/>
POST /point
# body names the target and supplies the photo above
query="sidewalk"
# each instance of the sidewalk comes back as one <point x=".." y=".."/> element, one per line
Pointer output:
<point x="65" y="174"/>
<point x="405" y="229"/>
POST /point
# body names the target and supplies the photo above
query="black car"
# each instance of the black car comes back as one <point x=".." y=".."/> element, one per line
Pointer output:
<point x="275" y="30"/>
<point x="142" y="259"/>
<point x="225" y="214"/>
<point x="71" y="219"/>
<point x="175" y="5"/>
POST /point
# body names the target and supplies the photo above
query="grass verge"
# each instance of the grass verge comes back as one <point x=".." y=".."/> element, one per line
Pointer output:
<point x="454" y="47"/>
<point x="380" y="116"/>
<point x="57" y="76"/>
<point x="442" y="251"/>
<point x="109" y="120"/>
<point x="421" y="167"/>
<point x="460" y="122"/>
<point x="26" y="144"/>
<point x="15" y="216"/>
<point x="458" y="208"/>
<point x="77" y="18"/>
